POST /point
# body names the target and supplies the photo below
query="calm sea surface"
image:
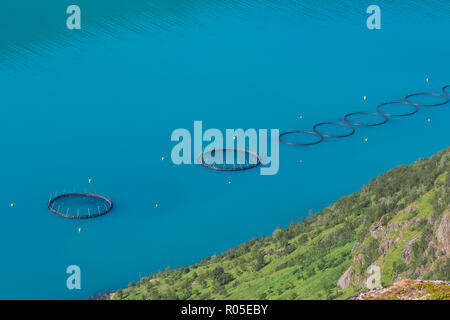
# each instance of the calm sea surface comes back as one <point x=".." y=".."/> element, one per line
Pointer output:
<point x="101" y="104"/>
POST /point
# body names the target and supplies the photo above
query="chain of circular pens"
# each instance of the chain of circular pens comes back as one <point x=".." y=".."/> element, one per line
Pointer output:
<point x="348" y="123"/>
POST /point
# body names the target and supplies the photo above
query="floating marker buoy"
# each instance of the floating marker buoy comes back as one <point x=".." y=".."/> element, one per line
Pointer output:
<point x="365" y="139"/>
<point x="156" y="205"/>
<point x="90" y="180"/>
<point x="229" y="181"/>
<point x="12" y="205"/>
<point x="79" y="229"/>
<point x="162" y="158"/>
<point x="427" y="80"/>
<point x="429" y="120"/>
<point x="365" y="98"/>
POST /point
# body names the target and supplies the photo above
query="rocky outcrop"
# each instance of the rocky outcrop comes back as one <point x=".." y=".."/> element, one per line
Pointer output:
<point x="409" y="209"/>
<point x="408" y="290"/>
<point x="376" y="230"/>
<point x="346" y="278"/>
<point x="443" y="234"/>
<point x="386" y="244"/>
<point x="406" y="253"/>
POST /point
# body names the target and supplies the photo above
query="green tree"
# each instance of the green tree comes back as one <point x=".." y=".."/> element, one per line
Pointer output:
<point x="260" y="263"/>
<point x="220" y="276"/>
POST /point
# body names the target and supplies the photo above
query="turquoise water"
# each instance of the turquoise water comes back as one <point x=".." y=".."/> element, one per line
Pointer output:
<point x="101" y="104"/>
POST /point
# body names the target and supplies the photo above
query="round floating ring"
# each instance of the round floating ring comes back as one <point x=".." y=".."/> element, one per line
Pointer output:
<point x="65" y="211"/>
<point x="444" y="90"/>
<point x="335" y="123"/>
<point x="301" y="144"/>
<point x="397" y="114"/>
<point x="426" y="94"/>
<point x="222" y="167"/>
<point x="383" y="121"/>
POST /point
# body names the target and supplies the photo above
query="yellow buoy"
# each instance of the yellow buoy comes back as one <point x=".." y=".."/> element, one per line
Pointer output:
<point x="12" y="205"/>
<point x="365" y="98"/>
<point x="90" y="180"/>
<point x="429" y="120"/>
<point x="234" y="138"/>
<point x="365" y="139"/>
<point x="79" y="229"/>
<point x="162" y="158"/>
<point x="427" y="80"/>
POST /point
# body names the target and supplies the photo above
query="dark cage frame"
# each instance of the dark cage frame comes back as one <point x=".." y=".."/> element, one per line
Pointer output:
<point x="294" y="132"/>
<point x="215" y="167"/>
<point x="445" y="99"/>
<point x="108" y="205"/>
<point x="383" y="120"/>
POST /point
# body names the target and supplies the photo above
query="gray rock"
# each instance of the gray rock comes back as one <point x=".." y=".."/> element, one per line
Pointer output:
<point x="406" y="253"/>
<point x="345" y="280"/>
<point x="443" y="233"/>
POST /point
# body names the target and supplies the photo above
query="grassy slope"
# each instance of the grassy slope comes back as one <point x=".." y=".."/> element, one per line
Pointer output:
<point x="306" y="260"/>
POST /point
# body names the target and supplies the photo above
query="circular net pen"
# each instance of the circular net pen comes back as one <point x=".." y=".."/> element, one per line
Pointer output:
<point x="80" y="205"/>
<point x="229" y="159"/>
<point x="291" y="138"/>
<point x="411" y="109"/>
<point x="350" y="129"/>
<point x="441" y="99"/>
<point x="381" y="119"/>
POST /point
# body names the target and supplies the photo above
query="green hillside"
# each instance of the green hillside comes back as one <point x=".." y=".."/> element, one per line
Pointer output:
<point x="399" y="222"/>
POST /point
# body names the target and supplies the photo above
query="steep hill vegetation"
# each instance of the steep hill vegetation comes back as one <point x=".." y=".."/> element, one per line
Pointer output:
<point x="399" y="222"/>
